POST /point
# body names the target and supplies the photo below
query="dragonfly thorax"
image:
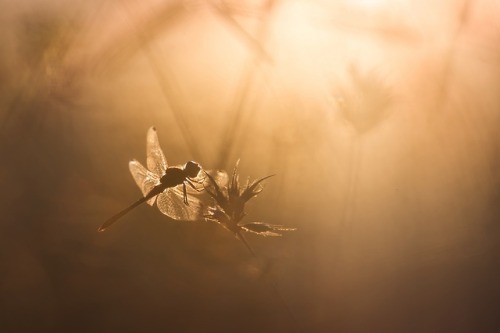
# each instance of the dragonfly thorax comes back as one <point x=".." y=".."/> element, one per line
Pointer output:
<point x="173" y="176"/>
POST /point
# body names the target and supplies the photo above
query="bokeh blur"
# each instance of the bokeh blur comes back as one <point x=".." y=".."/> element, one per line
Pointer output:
<point x="379" y="119"/>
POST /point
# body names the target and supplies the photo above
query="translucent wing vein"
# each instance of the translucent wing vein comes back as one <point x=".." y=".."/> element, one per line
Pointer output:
<point x="145" y="179"/>
<point x="156" y="161"/>
<point x="171" y="203"/>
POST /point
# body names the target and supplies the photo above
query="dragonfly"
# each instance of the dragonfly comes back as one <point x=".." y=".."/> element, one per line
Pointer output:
<point x="167" y="185"/>
<point x="229" y="207"/>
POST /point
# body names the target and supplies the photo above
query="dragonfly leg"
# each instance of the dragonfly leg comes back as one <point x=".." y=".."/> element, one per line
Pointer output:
<point x="185" y="194"/>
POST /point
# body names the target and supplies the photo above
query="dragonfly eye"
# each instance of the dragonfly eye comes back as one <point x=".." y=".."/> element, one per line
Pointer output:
<point x="192" y="169"/>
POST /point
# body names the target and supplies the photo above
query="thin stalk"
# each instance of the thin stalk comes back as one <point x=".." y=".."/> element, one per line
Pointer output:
<point x="238" y="108"/>
<point x="273" y="284"/>
<point x="166" y="87"/>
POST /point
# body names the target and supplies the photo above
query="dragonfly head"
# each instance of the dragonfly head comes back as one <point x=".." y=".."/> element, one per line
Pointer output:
<point x="192" y="169"/>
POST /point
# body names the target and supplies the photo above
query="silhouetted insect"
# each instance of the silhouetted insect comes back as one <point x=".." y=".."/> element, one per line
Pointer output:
<point x="230" y="202"/>
<point x="166" y="185"/>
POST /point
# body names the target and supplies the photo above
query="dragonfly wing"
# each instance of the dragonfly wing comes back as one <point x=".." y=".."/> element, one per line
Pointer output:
<point x="156" y="161"/>
<point x="171" y="203"/>
<point x="145" y="179"/>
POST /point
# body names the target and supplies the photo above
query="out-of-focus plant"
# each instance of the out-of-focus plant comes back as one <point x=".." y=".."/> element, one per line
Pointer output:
<point x="365" y="103"/>
<point x="45" y="48"/>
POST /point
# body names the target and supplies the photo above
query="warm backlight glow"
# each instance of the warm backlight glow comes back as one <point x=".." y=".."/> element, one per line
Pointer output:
<point x="380" y="121"/>
<point x="367" y="3"/>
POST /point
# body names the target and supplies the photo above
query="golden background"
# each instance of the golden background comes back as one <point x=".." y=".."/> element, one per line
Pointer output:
<point x="378" y="117"/>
